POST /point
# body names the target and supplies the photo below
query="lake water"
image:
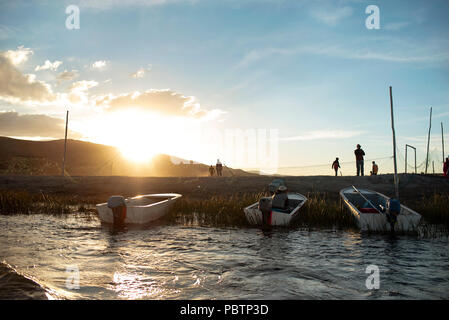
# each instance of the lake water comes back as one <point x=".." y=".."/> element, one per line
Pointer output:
<point x="192" y="262"/>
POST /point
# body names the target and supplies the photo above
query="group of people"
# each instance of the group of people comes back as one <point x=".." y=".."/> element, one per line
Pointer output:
<point x="218" y="168"/>
<point x="359" y="154"/>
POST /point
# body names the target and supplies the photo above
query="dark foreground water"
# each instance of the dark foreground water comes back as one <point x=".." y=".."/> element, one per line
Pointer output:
<point x="185" y="262"/>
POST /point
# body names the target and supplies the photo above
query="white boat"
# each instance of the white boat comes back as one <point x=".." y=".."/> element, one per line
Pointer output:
<point x="275" y="216"/>
<point x="141" y="209"/>
<point x="373" y="219"/>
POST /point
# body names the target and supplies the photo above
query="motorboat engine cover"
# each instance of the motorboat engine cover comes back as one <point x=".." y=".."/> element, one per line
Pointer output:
<point x="118" y="206"/>
<point x="116" y="201"/>
<point x="265" y="204"/>
<point x="265" y="207"/>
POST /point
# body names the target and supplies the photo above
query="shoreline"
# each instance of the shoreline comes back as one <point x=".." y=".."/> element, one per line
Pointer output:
<point x="412" y="187"/>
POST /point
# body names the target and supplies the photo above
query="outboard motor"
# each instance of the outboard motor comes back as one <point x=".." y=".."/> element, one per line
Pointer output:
<point x="265" y="207"/>
<point x="118" y="206"/>
<point x="393" y="210"/>
<point x="275" y="184"/>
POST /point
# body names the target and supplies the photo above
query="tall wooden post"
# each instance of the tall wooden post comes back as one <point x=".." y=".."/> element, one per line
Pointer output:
<point x="65" y="141"/>
<point x="414" y="149"/>
<point x="396" y="187"/>
<point x="416" y="171"/>
<point x="442" y="139"/>
<point x="428" y="140"/>
<point x="405" y="170"/>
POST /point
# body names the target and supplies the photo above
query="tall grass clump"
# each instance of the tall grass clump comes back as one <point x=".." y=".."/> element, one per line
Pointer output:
<point x="22" y="202"/>
<point x="318" y="211"/>
<point x="215" y="211"/>
<point x="434" y="209"/>
<point x="321" y="211"/>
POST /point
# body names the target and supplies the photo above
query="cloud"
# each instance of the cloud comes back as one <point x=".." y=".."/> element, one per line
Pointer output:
<point x="28" y="125"/>
<point x="78" y="91"/>
<point x="408" y="52"/>
<point x="165" y="102"/>
<point x="6" y="32"/>
<point x="331" y="15"/>
<point x="107" y="4"/>
<point x="394" y="26"/>
<point x="49" y="65"/>
<point x="100" y="64"/>
<point x="18" y="56"/>
<point x="67" y="75"/>
<point x="141" y="72"/>
<point x="15" y="86"/>
<point x="138" y="74"/>
<point x="323" y="134"/>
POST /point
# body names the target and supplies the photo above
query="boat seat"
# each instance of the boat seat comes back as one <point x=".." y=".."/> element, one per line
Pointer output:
<point x="292" y="204"/>
<point x="368" y="210"/>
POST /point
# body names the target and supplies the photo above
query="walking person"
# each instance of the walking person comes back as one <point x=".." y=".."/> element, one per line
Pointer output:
<point x="335" y="166"/>
<point x="211" y="170"/>
<point x="219" y="168"/>
<point x="375" y="169"/>
<point x="359" y="153"/>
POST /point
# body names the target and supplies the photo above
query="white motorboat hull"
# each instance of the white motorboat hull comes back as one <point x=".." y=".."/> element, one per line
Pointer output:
<point x="254" y="215"/>
<point x="141" y="209"/>
<point x="407" y="220"/>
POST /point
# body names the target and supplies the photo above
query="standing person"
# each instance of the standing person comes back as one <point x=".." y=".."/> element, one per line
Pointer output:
<point x="335" y="166"/>
<point x="211" y="170"/>
<point x="446" y="168"/>
<point x="375" y="169"/>
<point x="359" y="153"/>
<point x="219" y="168"/>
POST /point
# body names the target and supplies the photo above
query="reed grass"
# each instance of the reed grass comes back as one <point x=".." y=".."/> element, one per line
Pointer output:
<point x="434" y="209"/>
<point x="320" y="211"/>
<point x="214" y="211"/>
<point x="22" y="202"/>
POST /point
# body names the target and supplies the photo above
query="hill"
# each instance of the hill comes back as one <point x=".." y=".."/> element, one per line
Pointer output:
<point x="24" y="157"/>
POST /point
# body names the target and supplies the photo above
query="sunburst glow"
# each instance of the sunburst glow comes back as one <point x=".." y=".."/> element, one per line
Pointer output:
<point x="140" y="135"/>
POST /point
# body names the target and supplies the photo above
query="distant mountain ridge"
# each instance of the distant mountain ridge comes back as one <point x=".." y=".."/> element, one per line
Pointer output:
<point x="90" y="159"/>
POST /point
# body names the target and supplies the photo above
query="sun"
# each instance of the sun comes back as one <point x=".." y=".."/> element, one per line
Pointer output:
<point x="135" y="151"/>
<point x="139" y="136"/>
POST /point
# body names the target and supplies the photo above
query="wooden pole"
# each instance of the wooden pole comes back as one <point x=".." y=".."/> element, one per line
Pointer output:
<point x="433" y="167"/>
<point x="65" y="141"/>
<point x="405" y="171"/>
<point x="428" y="139"/>
<point x="415" y="162"/>
<point x="394" y="148"/>
<point x="414" y="149"/>
<point x="442" y="139"/>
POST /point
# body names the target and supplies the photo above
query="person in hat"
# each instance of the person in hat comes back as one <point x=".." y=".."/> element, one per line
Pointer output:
<point x="280" y="198"/>
<point x="335" y="166"/>
<point x="359" y="153"/>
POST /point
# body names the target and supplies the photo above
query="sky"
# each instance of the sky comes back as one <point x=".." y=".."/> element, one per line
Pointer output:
<point x="282" y="86"/>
